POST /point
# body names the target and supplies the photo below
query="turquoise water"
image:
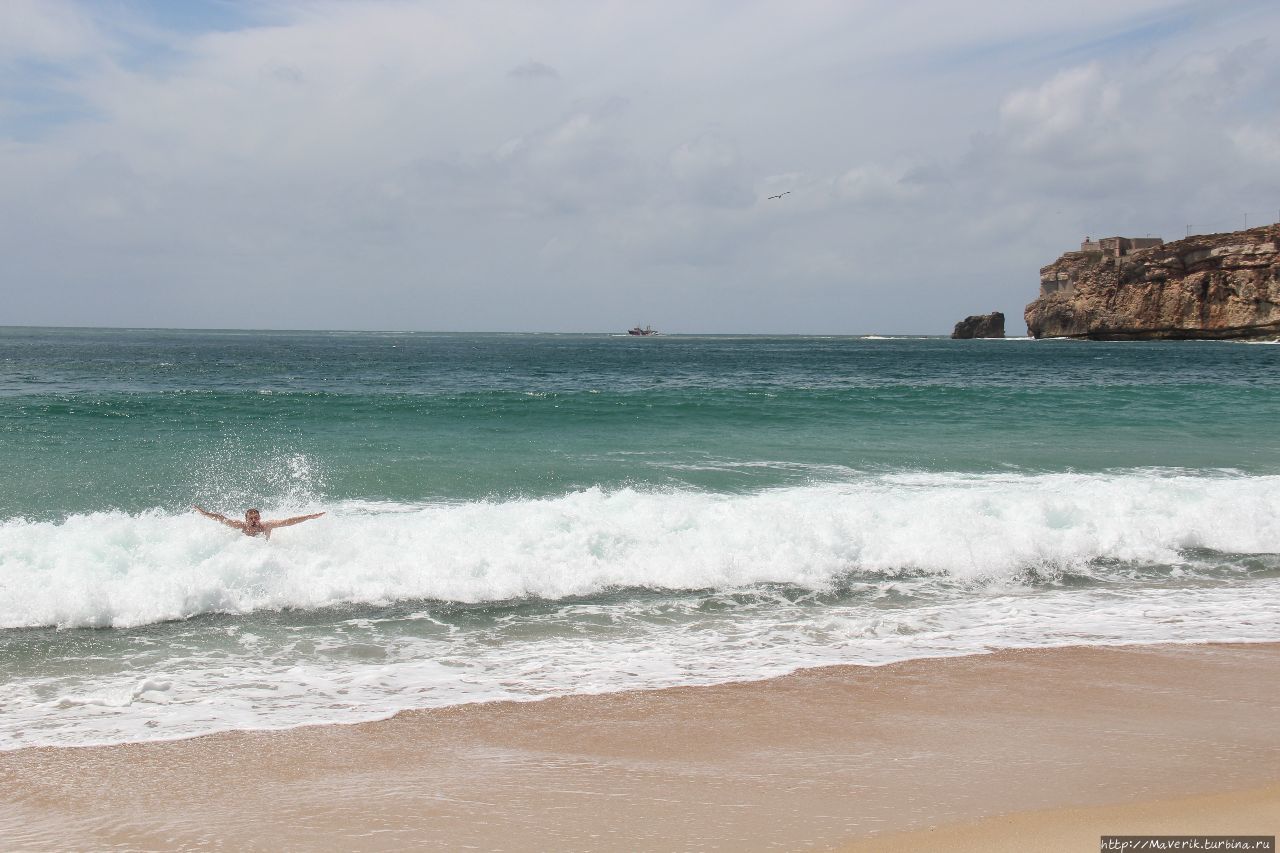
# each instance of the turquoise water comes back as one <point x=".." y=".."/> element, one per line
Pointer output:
<point x="132" y="420"/>
<point x="515" y="516"/>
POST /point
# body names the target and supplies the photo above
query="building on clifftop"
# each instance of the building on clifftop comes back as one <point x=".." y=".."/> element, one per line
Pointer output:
<point x="1055" y="279"/>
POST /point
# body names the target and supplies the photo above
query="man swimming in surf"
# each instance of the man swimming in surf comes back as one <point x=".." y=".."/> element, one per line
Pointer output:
<point x="253" y="525"/>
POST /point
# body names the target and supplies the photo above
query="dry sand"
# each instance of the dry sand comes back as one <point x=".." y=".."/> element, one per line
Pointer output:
<point x="1056" y="741"/>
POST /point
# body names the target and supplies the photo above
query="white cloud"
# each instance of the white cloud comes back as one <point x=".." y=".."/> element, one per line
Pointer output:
<point x="47" y="30"/>
<point x="1075" y="106"/>
<point x="877" y="184"/>
<point x="405" y="147"/>
<point x="1259" y="144"/>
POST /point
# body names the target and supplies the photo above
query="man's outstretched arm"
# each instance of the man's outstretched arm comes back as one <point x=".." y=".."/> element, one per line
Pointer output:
<point x="219" y="517"/>
<point x="297" y="519"/>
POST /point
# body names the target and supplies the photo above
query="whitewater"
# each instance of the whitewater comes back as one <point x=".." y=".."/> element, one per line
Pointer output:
<point x="382" y="607"/>
<point x="518" y="517"/>
<point x="119" y="570"/>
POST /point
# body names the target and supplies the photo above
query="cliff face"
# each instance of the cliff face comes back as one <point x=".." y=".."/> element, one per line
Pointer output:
<point x="1214" y="286"/>
<point x="980" y="326"/>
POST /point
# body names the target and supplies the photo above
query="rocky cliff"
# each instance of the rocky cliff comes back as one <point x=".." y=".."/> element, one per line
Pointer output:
<point x="980" y="326"/>
<point x="1213" y="286"/>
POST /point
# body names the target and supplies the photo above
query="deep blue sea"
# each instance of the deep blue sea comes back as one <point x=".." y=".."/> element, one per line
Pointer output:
<point x="521" y="516"/>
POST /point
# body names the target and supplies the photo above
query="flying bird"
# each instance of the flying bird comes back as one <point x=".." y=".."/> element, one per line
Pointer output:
<point x="779" y="195"/>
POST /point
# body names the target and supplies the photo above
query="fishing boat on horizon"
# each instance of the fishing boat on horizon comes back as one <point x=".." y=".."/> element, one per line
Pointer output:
<point x="642" y="333"/>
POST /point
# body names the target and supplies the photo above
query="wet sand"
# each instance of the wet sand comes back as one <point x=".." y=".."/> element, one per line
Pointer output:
<point x="814" y="761"/>
<point x="1254" y="812"/>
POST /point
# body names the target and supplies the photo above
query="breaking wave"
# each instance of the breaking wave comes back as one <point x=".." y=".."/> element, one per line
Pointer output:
<point x="112" y="569"/>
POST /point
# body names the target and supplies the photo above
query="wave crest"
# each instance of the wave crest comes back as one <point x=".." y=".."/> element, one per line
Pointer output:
<point x="120" y="570"/>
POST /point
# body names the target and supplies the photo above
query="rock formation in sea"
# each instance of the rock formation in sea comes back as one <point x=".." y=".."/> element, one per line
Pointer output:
<point x="1208" y="286"/>
<point x="980" y="326"/>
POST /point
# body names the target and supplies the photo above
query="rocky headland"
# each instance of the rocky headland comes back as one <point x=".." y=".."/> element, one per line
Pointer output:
<point x="1208" y="286"/>
<point x="980" y="326"/>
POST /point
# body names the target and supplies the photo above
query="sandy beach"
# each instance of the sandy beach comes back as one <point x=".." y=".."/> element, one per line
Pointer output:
<point x="1050" y="744"/>
<point x="1255" y="812"/>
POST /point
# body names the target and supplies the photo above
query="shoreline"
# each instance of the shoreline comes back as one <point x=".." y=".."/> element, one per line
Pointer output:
<point x="817" y="759"/>
<point x="385" y="716"/>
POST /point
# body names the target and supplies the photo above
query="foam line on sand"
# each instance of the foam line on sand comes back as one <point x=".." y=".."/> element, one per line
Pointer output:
<point x="811" y="761"/>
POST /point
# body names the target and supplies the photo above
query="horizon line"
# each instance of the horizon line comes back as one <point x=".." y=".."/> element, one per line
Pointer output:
<point x="623" y="333"/>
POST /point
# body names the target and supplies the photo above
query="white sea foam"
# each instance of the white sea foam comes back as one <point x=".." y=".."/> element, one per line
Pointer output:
<point x="369" y="668"/>
<point x="922" y="565"/>
<point x="120" y="570"/>
<point x="147" y="690"/>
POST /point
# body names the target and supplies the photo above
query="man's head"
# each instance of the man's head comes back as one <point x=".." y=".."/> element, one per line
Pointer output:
<point x="252" y="516"/>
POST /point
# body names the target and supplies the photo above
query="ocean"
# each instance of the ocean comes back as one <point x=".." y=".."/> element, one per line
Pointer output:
<point x="523" y="516"/>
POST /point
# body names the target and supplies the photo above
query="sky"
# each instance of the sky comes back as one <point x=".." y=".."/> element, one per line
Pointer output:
<point x="586" y="166"/>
